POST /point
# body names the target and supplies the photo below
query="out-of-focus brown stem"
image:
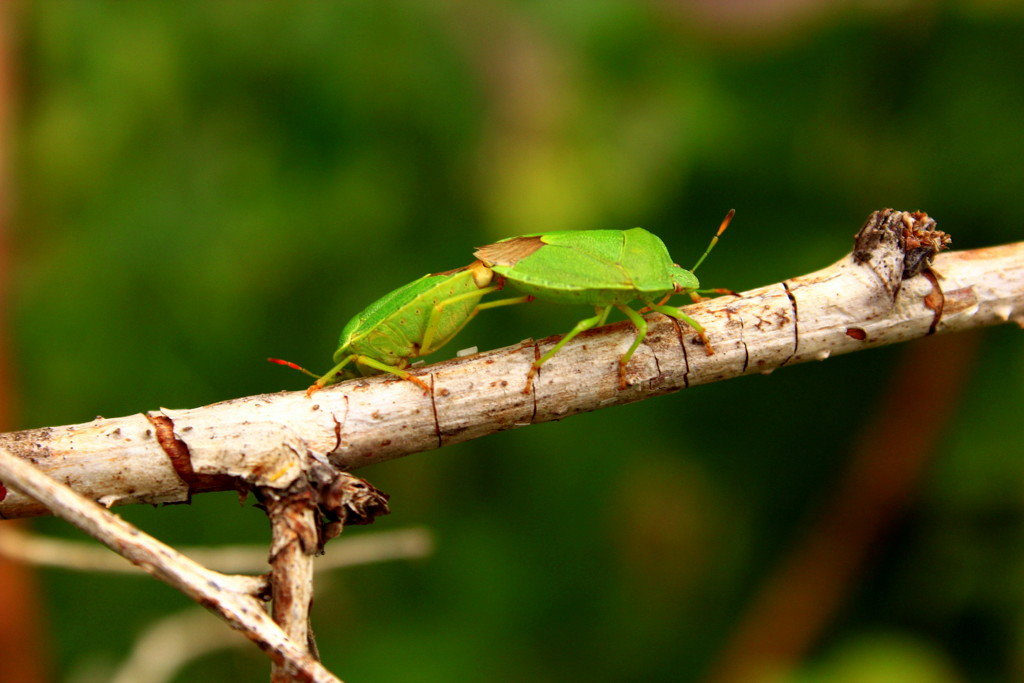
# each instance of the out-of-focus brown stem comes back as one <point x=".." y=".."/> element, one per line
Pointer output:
<point x="798" y="601"/>
<point x="22" y="649"/>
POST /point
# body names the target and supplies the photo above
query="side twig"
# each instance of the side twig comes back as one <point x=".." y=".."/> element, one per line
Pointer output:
<point x="232" y="597"/>
<point x="379" y="546"/>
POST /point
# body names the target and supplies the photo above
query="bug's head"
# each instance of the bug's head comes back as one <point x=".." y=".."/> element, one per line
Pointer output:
<point x="683" y="280"/>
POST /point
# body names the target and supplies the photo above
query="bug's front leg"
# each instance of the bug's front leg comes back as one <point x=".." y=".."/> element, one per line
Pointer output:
<point x="399" y="372"/>
<point x="674" y="312"/>
<point x="696" y="297"/>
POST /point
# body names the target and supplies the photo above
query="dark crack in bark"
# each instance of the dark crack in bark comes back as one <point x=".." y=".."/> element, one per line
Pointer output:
<point x="657" y="363"/>
<point x="796" y="323"/>
<point x="746" y="350"/>
<point x="433" y="408"/>
<point x="533" y="386"/>
<point x="339" y="425"/>
<point x="686" y="356"/>
<point x="337" y="432"/>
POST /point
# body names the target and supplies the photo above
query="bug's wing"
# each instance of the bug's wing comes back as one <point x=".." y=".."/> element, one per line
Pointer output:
<point x="571" y="265"/>
<point x="641" y="257"/>
<point x="374" y="314"/>
<point x="602" y="245"/>
<point x="645" y="257"/>
<point x="509" y="252"/>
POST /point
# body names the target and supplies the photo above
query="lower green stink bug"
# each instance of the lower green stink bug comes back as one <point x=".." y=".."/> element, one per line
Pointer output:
<point x="603" y="268"/>
<point x="410" y="322"/>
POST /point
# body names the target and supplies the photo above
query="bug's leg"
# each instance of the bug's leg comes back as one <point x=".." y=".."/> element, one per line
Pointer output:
<point x="506" y="302"/>
<point x="641" y="332"/>
<point x="427" y="345"/>
<point x="664" y="300"/>
<point x="696" y="297"/>
<point x="581" y="326"/>
<point x="674" y="312"/>
<point x="492" y="304"/>
<point x="384" y="367"/>
<point x="329" y="375"/>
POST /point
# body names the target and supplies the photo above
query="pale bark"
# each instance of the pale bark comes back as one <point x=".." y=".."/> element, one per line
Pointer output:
<point x="235" y="598"/>
<point x="269" y="440"/>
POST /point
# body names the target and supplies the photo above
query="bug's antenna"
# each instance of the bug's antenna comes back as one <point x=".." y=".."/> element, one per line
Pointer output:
<point x="293" y="365"/>
<point x="714" y="240"/>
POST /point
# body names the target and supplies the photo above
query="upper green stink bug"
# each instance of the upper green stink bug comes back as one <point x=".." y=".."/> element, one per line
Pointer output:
<point x="412" y="321"/>
<point x="602" y="268"/>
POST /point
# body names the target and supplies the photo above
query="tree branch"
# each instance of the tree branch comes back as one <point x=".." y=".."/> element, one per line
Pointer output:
<point x="881" y="293"/>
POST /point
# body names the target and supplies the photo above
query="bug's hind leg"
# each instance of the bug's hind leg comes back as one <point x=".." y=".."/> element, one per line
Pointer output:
<point x="384" y="367"/>
<point x="581" y="326"/>
<point x="330" y="377"/>
<point x="674" y="312"/>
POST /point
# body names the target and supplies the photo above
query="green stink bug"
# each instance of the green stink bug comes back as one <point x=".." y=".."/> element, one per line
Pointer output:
<point x="412" y="321"/>
<point x="601" y="268"/>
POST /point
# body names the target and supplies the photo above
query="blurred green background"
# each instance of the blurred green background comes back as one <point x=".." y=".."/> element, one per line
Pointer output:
<point x="201" y="185"/>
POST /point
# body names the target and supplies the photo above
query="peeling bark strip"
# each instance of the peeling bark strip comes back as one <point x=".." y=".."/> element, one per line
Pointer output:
<point x="181" y="460"/>
<point x="872" y="297"/>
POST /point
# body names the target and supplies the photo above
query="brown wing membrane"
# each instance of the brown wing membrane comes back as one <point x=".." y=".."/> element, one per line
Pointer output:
<point x="508" y="252"/>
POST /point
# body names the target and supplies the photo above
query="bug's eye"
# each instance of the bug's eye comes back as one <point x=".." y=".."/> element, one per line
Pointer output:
<point x="682" y="279"/>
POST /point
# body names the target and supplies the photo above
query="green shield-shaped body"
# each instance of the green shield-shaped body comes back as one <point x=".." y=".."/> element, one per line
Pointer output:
<point x="595" y="267"/>
<point x="392" y="329"/>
